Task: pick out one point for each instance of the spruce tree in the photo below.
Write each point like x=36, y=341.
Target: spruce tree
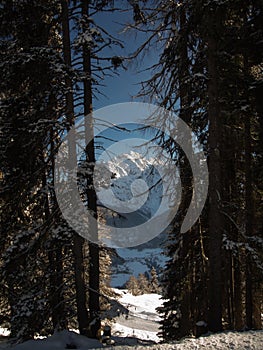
x=27, y=118
x=40, y=94
x=133, y=286
x=143, y=284
x=154, y=283
x=207, y=74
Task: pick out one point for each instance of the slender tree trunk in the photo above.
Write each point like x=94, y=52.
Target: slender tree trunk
x=249, y=205
x=59, y=313
x=186, y=178
x=78, y=241
x=94, y=269
x=232, y=279
x=55, y=249
x=53, y=295
x=238, y=294
x=253, y=276
x=249, y=222
x=228, y=301
x=214, y=220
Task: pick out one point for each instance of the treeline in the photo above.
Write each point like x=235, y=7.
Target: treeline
x=52, y=62
x=144, y=284
x=210, y=73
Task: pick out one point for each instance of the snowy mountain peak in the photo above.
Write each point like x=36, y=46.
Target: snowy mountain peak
x=129, y=183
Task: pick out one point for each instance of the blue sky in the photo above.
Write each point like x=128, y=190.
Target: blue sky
x=121, y=88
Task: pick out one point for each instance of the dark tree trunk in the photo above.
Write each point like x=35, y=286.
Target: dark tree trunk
x=252, y=170
x=238, y=307
x=78, y=241
x=186, y=178
x=94, y=254
x=249, y=221
x=55, y=257
x=214, y=220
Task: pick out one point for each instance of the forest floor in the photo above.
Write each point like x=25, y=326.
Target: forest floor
x=139, y=331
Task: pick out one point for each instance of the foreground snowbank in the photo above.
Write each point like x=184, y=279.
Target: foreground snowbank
x=58, y=341
x=252, y=340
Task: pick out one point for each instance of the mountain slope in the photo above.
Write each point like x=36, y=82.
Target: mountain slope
x=131, y=186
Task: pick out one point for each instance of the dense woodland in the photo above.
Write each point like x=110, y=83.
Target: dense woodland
x=208, y=70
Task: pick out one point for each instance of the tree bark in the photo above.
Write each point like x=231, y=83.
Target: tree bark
x=78, y=241
x=214, y=220
x=94, y=269
x=186, y=178
x=249, y=222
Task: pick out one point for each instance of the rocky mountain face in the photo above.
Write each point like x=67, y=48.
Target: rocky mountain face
x=130, y=192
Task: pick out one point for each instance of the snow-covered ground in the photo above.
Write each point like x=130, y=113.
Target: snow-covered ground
x=58, y=341
x=142, y=320
x=139, y=331
x=252, y=340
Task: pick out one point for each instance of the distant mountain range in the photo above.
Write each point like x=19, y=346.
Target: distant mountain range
x=136, y=181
